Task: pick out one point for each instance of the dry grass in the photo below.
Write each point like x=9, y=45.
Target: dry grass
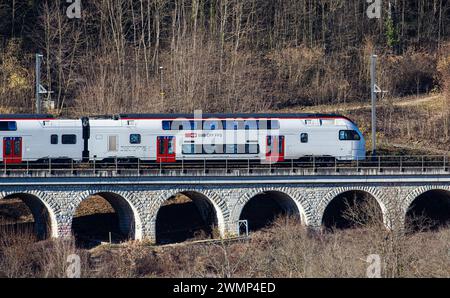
x=21, y=256
x=284, y=250
x=288, y=250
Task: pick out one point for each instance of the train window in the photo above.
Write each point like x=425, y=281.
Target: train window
x=281, y=145
x=54, y=139
x=167, y=125
x=349, y=135
x=235, y=125
x=188, y=149
x=162, y=149
x=236, y=149
x=177, y=125
x=182, y=125
x=8, y=125
x=252, y=149
x=212, y=125
x=196, y=125
x=269, y=124
x=135, y=139
x=171, y=146
x=229, y=148
x=8, y=148
x=274, y=124
x=240, y=125
x=69, y=139
x=198, y=149
x=219, y=125
x=17, y=147
x=219, y=149
x=251, y=125
x=211, y=149
x=304, y=138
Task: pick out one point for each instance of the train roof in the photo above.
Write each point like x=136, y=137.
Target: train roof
x=27, y=116
x=221, y=116
x=186, y=116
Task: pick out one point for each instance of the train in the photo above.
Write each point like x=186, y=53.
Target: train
x=171, y=138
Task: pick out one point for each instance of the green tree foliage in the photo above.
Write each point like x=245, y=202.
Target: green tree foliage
x=391, y=33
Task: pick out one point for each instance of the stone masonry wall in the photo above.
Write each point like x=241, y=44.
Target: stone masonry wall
x=139, y=204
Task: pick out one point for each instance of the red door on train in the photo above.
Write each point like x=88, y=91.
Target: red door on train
x=165, y=152
x=275, y=148
x=12, y=150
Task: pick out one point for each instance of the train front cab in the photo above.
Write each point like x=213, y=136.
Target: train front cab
x=354, y=139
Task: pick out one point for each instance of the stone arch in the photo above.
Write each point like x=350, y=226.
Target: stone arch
x=372, y=191
x=302, y=205
x=217, y=202
x=125, y=204
x=418, y=192
x=39, y=200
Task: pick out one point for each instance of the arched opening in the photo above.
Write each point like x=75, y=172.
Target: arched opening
x=352, y=209
x=429, y=211
x=186, y=216
x=103, y=217
x=25, y=213
x=261, y=210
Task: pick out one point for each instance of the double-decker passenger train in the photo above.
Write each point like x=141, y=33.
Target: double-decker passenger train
x=169, y=138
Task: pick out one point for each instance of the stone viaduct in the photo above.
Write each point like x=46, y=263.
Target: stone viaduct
x=53, y=201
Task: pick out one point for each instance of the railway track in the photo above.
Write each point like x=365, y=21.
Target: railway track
x=116, y=168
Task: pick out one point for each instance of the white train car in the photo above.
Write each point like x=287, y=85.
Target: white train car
x=172, y=138
x=264, y=137
x=115, y=138
x=30, y=138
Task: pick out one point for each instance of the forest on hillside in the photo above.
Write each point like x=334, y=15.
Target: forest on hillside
x=218, y=55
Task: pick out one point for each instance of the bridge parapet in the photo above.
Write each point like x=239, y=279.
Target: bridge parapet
x=40, y=173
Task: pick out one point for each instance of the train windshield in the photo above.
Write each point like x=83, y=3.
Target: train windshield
x=349, y=135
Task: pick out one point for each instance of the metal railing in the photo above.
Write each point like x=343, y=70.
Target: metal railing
x=372, y=165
